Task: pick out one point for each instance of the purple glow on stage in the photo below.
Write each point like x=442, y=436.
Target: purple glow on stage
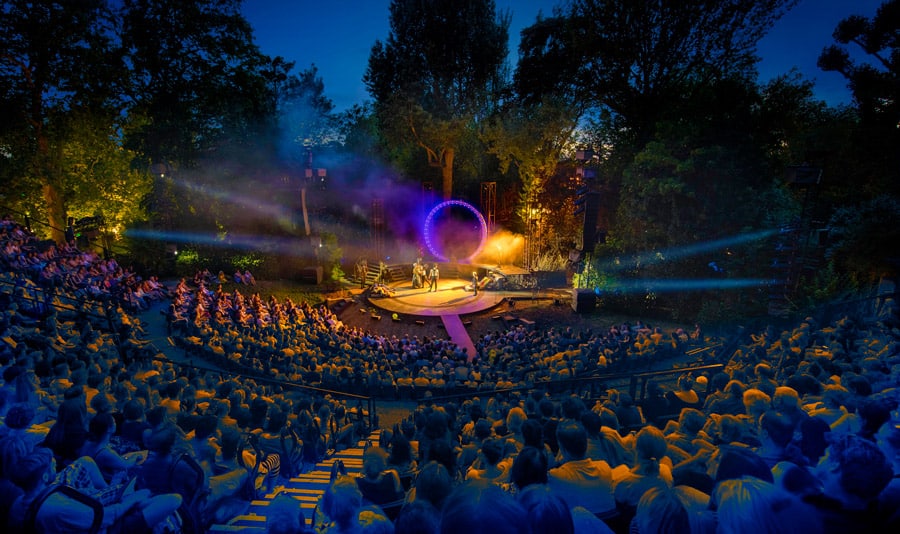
x=429, y=224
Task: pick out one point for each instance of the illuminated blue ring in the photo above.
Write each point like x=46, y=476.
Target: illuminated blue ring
x=428, y=229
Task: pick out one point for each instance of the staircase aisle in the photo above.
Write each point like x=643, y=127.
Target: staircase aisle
x=307, y=488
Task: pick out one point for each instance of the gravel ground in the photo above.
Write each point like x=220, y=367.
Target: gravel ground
x=552, y=310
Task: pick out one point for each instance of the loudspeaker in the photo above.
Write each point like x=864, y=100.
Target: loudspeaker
x=583, y=300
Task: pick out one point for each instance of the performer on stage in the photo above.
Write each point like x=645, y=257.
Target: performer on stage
x=475, y=282
x=362, y=270
x=418, y=274
x=433, y=276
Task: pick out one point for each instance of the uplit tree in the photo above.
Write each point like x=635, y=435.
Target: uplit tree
x=436, y=74
x=58, y=60
x=532, y=140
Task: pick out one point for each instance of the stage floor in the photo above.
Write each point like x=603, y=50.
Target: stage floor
x=450, y=299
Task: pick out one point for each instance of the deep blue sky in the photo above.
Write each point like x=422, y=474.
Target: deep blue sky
x=337, y=36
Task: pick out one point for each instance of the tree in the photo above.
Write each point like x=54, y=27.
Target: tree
x=876, y=92
x=196, y=77
x=303, y=113
x=58, y=59
x=435, y=74
x=631, y=61
x=532, y=140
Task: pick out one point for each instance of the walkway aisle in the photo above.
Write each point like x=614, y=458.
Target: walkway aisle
x=306, y=488
x=458, y=334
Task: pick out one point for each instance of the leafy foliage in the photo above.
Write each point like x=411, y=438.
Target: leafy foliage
x=876, y=90
x=435, y=74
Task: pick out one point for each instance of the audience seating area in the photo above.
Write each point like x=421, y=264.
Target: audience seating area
x=787, y=430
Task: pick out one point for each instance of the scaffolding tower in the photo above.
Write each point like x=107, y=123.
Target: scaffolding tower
x=378, y=224
x=489, y=205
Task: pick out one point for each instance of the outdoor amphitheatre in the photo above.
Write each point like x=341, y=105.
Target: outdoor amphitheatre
x=623, y=285
x=232, y=410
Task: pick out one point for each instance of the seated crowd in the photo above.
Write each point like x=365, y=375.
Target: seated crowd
x=800, y=430
x=310, y=345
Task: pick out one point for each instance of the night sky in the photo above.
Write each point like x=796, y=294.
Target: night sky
x=338, y=35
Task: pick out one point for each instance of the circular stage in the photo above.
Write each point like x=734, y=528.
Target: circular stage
x=451, y=298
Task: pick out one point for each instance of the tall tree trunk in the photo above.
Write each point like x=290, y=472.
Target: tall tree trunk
x=447, y=173
x=56, y=211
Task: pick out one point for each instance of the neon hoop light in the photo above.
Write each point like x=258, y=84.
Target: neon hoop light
x=429, y=242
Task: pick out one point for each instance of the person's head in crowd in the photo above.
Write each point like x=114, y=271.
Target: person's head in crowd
x=547, y=408
x=685, y=382
x=31, y=470
x=230, y=441
x=514, y=419
x=748, y=505
x=813, y=438
x=277, y=420
x=533, y=433
x=133, y=410
x=735, y=389
x=529, y=467
x=777, y=427
x=729, y=429
x=756, y=402
x=483, y=429
x=854, y=470
x=691, y=421
x=157, y=416
x=796, y=480
x=401, y=451
x=12, y=448
x=20, y=416
x=737, y=462
x=442, y=452
x=284, y=516
x=547, y=512
x=804, y=384
x=785, y=400
x=572, y=439
x=373, y=520
x=206, y=427
x=592, y=423
x=572, y=407
x=718, y=381
x=834, y=396
x=476, y=508
x=100, y=404
x=609, y=419
x=649, y=448
x=374, y=462
x=101, y=426
x=858, y=385
x=341, y=502
x=873, y=413
x=888, y=438
x=433, y=484
x=660, y=511
x=418, y=517
x=162, y=441
x=492, y=451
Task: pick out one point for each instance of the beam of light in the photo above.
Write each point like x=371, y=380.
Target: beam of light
x=284, y=245
x=666, y=286
x=683, y=251
x=272, y=211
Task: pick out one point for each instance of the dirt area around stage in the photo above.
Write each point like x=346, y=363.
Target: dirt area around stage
x=550, y=309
